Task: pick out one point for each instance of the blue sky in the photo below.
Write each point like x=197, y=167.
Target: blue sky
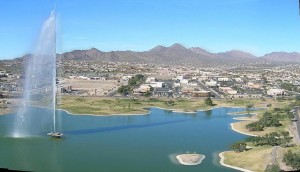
x=255, y=26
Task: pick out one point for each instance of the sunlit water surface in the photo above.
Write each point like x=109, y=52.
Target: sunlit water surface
x=134, y=143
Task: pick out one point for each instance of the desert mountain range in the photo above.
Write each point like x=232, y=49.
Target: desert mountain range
x=178, y=54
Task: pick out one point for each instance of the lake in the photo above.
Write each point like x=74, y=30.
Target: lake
x=132, y=143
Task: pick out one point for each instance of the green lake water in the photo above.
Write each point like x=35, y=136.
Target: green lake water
x=137, y=143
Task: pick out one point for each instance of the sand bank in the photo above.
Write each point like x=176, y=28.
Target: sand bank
x=190, y=159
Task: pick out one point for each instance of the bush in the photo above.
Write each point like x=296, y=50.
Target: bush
x=273, y=168
x=208, y=101
x=255, y=126
x=292, y=159
x=239, y=146
x=272, y=139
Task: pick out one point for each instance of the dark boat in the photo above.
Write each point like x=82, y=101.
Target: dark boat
x=55, y=134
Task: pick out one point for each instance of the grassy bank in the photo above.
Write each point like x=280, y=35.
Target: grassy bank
x=257, y=158
x=106, y=106
x=253, y=159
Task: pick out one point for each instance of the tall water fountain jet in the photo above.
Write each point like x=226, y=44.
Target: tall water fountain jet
x=39, y=85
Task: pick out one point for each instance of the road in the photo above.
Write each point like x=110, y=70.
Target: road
x=297, y=117
x=274, y=155
x=217, y=95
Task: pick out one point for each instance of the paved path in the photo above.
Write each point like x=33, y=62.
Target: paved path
x=297, y=124
x=274, y=155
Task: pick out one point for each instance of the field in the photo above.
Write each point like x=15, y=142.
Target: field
x=106, y=106
x=255, y=159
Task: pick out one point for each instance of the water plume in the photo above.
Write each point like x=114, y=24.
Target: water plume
x=39, y=85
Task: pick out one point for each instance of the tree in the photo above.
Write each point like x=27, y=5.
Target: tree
x=148, y=94
x=123, y=90
x=292, y=159
x=249, y=107
x=151, y=88
x=239, y=146
x=208, y=101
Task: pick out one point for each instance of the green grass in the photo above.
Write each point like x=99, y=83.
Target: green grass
x=104, y=106
x=254, y=159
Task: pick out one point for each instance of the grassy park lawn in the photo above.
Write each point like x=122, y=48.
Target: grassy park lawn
x=258, y=103
x=255, y=159
x=106, y=106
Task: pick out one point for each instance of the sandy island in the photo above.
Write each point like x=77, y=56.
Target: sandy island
x=190, y=159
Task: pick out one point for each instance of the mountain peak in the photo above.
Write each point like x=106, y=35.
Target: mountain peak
x=158, y=48
x=237, y=54
x=200, y=51
x=177, y=46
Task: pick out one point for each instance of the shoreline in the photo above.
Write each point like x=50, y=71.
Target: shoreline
x=147, y=113
x=243, y=119
x=190, y=159
x=221, y=155
x=222, y=159
x=130, y=114
x=248, y=134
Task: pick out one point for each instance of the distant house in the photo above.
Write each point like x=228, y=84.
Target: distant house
x=254, y=85
x=211, y=83
x=157, y=84
x=163, y=92
x=176, y=84
x=2, y=72
x=184, y=81
x=275, y=92
x=238, y=80
x=144, y=88
x=126, y=77
x=150, y=79
x=228, y=90
x=223, y=79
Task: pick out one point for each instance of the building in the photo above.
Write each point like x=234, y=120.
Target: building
x=211, y=83
x=150, y=79
x=275, y=92
x=144, y=88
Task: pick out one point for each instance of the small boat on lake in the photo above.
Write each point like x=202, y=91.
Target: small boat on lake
x=55, y=134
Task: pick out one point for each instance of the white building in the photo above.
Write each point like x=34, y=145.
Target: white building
x=126, y=77
x=2, y=72
x=238, y=79
x=275, y=92
x=223, y=79
x=211, y=83
x=177, y=84
x=184, y=81
x=150, y=79
x=156, y=84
